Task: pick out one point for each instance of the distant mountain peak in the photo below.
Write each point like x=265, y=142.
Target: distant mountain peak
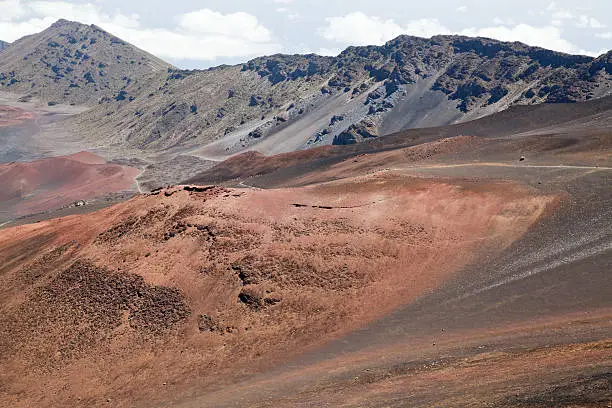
x=63, y=22
x=74, y=63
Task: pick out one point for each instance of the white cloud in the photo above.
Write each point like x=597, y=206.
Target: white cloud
x=11, y=9
x=562, y=15
x=290, y=15
x=359, y=29
x=79, y=12
x=589, y=22
x=185, y=45
x=235, y=25
x=375, y=30
x=549, y=37
x=462, y=9
x=546, y=37
x=500, y=21
x=199, y=35
x=595, y=53
x=329, y=52
x=11, y=31
x=606, y=35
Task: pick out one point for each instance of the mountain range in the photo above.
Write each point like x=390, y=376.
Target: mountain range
x=283, y=103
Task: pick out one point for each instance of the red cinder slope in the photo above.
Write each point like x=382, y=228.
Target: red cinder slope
x=55, y=182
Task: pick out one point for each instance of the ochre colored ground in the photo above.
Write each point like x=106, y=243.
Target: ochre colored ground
x=52, y=183
x=233, y=280
x=427, y=268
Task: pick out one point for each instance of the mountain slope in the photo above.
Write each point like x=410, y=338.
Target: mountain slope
x=3, y=45
x=74, y=63
x=202, y=296
x=576, y=128
x=283, y=103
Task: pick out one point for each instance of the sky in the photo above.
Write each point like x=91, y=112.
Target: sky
x=200, y=34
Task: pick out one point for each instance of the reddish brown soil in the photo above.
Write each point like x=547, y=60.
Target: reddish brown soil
x=55, y=182
x=424, y=269
x=498, y=366
x=192, y=289
x=11, y=116
x=254, y=163
x=87, y=158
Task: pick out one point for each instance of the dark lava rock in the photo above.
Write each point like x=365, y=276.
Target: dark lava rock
x=251, y=298
x=256, y=134
x=197, y=189
x=84, y=304
x=255, y=298
x=345, y=138
x=256, y=100
x=335, y=119
x=206, y=324
x=356, y=133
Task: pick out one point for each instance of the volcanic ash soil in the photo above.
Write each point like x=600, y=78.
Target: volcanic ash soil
x=170, y=287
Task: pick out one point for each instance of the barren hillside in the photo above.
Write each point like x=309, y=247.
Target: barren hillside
x=438, y=271
x=74, y=63
x=283, y=103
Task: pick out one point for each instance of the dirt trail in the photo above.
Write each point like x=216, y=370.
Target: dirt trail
x=529, y=166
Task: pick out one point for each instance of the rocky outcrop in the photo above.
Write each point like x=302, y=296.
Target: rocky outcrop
x=280, y=68
x=602, y=65
x=356, y=133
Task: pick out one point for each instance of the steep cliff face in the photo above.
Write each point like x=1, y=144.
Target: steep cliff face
x=74, y=63
x=289, y=102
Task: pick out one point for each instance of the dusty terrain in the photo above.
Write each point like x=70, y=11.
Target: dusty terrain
x=54, y=183
x=427, y=269
x=317, y=249
x=11, y=116
x=530, y=326
x=527, y=327
x=43, y=170
x=237, y=279
x=555, y=134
